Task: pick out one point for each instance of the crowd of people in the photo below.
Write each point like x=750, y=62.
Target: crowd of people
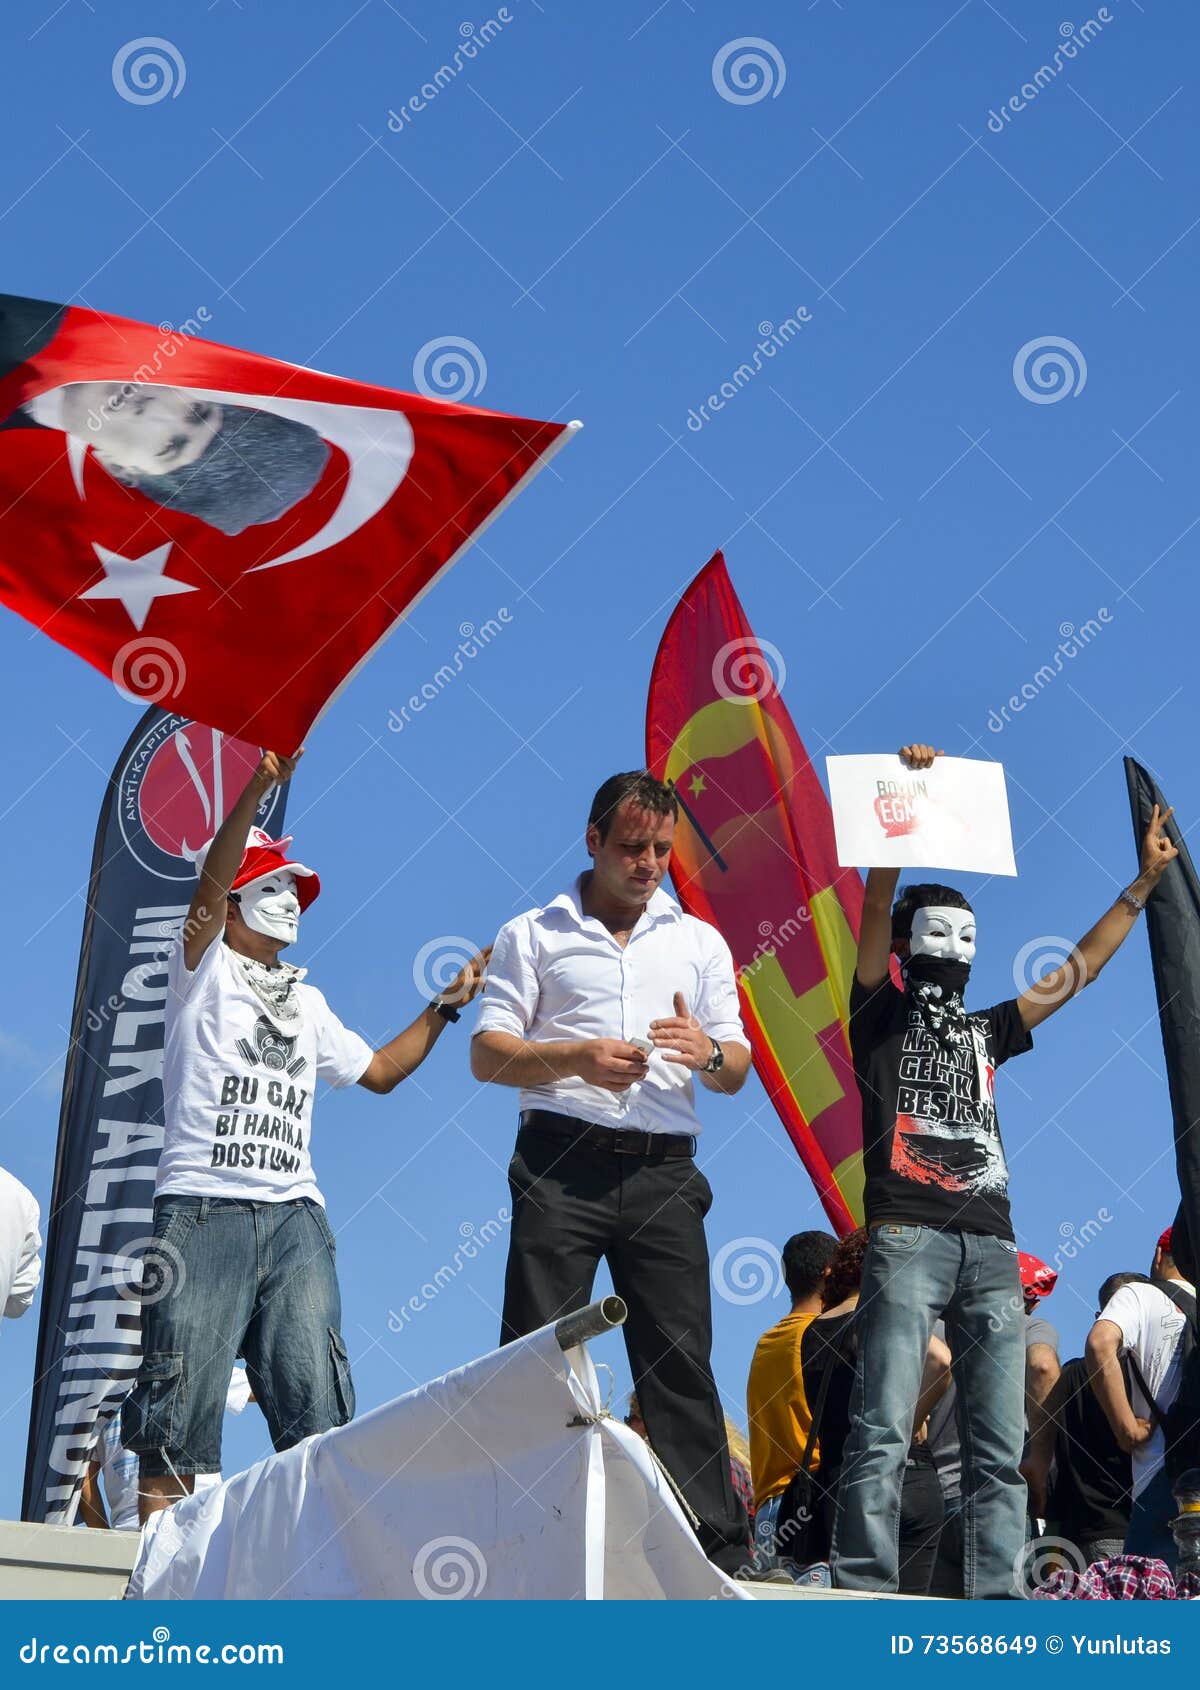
x=911, y=1427
x=1093, y=1449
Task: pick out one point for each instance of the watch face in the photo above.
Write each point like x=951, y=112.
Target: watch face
x=717, y=1059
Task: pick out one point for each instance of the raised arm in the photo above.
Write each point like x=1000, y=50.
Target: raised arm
x=875, y=934
x=404, y=1054
x=1110, y=932
x=206, y=917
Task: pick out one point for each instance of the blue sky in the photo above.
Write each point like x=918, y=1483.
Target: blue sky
x=914, y=533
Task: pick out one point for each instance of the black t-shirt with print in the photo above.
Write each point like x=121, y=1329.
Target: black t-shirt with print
x=931, y=1145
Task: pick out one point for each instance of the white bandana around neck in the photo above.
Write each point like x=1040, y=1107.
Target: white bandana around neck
x=275, y=988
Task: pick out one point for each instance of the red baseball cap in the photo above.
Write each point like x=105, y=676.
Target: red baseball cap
x=1164, y=1242
x=1037, y=1280
x=264, y=857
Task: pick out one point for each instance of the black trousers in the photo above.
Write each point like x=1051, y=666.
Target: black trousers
x=922, y=1510
x=573, y=1204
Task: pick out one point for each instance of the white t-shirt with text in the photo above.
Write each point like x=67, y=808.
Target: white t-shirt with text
x=1151, y=1329
x=238, y=1092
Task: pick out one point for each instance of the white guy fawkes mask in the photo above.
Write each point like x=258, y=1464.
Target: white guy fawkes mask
x=943, y=932
x=270, y=906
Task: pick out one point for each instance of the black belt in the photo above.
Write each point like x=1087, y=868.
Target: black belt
x=622, y=1141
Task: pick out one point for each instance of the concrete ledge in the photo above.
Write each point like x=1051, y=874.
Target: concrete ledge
x=56, y=1563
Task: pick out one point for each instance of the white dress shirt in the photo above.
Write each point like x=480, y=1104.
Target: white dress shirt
x=20, y=1241
x=557, y=974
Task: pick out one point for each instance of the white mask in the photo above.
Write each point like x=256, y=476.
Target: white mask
x=270, y=906
x=941, y=931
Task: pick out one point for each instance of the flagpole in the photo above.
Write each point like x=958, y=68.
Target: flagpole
x=700, y=833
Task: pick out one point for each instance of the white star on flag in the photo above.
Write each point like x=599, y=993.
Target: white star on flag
x=136, y=581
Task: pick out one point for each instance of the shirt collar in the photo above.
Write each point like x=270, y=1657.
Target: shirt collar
x=661, y=906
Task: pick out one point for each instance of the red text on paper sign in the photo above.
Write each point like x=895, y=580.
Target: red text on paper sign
x=895, y=805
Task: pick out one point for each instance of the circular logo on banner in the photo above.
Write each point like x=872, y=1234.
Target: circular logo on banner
x=176, y=788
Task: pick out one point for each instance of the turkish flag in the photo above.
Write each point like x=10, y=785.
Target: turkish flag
x=225, y=534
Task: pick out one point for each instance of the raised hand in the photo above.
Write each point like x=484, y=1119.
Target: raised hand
x=680, y=1038
x=1157, y=849
x=919, y=756
x=469, y=981
x=276, y=769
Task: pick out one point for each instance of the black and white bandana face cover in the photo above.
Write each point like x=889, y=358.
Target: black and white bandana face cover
x=946, y=976
x=275, y=988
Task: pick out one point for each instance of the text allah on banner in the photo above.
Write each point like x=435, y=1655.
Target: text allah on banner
x=172, y=787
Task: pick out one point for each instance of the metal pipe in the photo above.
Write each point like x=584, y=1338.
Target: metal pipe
x=589, y=1322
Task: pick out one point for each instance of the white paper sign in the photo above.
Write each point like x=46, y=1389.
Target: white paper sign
x=953, y=815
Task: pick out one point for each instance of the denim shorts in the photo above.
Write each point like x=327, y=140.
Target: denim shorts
x=228, y=1277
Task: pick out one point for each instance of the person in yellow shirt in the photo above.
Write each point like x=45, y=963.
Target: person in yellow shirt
x=776, y=1405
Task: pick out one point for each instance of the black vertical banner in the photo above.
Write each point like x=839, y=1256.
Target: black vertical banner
x=1173, y=928
x=173, y=784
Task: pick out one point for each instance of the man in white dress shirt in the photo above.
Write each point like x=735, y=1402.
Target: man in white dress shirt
x=600, y=1007
x=20, y=1241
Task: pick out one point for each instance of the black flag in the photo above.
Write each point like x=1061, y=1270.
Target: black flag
x=1173, y=928
x=173, y=785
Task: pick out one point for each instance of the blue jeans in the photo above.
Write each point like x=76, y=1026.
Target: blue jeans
x=226, y=1278
x=911, y=1276
x=1149, y=1531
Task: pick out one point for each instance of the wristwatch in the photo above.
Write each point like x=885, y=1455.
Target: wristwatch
x=716, y=1061
x=447, y=1011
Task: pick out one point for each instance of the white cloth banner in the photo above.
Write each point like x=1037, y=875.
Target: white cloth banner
x=502, y=1480
x=953, y=815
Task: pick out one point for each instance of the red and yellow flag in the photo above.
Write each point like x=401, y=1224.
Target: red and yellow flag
x=754, y=854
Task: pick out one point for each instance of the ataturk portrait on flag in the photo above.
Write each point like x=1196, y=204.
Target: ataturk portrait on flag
x=158, y=487
x=230, y=464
